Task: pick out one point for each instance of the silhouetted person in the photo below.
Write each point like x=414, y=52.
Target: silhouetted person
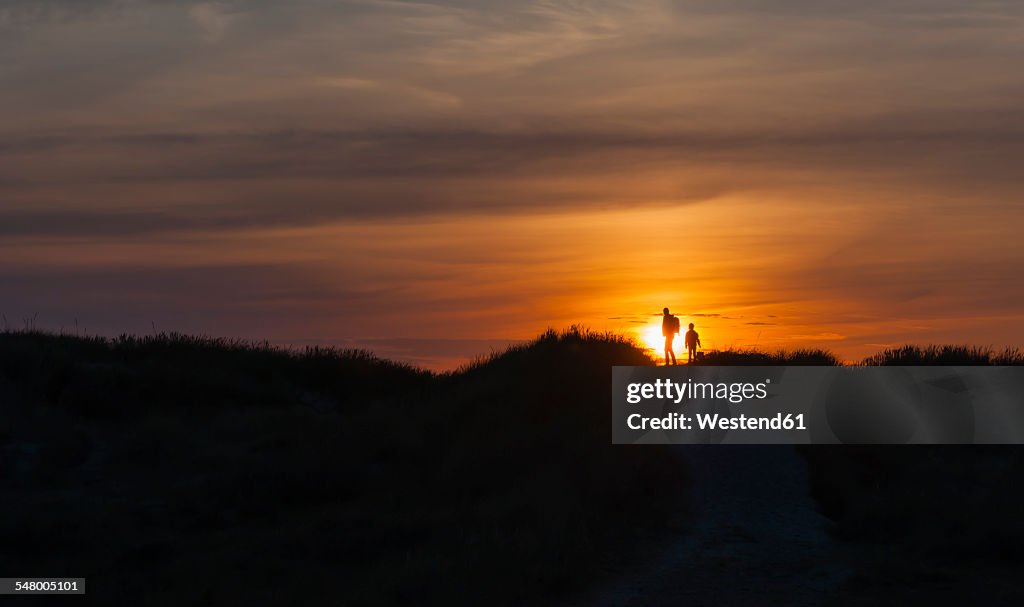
x=692, y=340
x=669, y=328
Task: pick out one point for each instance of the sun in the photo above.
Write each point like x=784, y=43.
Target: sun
x=650, y=336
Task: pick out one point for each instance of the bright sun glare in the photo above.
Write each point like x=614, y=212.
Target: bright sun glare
x=651, y=337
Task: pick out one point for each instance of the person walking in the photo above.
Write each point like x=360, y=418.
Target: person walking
x=692, y=340
x=669, y=329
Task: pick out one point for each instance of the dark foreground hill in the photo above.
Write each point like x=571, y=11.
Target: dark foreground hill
x=173, y=470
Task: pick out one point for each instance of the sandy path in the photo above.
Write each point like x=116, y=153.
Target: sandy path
x=757, y=539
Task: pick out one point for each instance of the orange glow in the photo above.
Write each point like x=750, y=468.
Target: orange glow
x=744, y=278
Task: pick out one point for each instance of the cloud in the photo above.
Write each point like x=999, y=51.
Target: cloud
x=534, y=33
x=211, y=19
x=285, y=298
x=18, y=14
x=176, y=181
x=429, y=96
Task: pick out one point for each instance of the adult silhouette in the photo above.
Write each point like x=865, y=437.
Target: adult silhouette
x=692, y=340
x=669, y=328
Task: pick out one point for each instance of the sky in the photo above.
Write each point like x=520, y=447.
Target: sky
x=435, y=180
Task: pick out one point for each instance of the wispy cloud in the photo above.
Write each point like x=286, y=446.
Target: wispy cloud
x=211, y=18
x=429, y=96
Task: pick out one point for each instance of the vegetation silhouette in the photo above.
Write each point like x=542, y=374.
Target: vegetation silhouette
x=946, y=355
x=253, y=471
x=752, y=357
x=223, y=471
x=130, y=375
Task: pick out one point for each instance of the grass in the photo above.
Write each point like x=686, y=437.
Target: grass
x=932, y=355
x=128, y=375
x=946, y=355
x=173, y=470
x=260, y=474
x=754, y=357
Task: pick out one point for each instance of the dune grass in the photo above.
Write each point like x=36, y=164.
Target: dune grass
x=101, y=377
x=755, y=357
x=572, y=344
x=254, y=471
x=908, y=355
x=177, y=470
x=946, y=355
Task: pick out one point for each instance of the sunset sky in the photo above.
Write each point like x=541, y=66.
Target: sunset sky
x=431, y=180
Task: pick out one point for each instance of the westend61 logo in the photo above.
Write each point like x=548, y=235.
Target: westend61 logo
x=678, y=392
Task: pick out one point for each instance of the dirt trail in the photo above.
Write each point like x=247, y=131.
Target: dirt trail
x=757, y=539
